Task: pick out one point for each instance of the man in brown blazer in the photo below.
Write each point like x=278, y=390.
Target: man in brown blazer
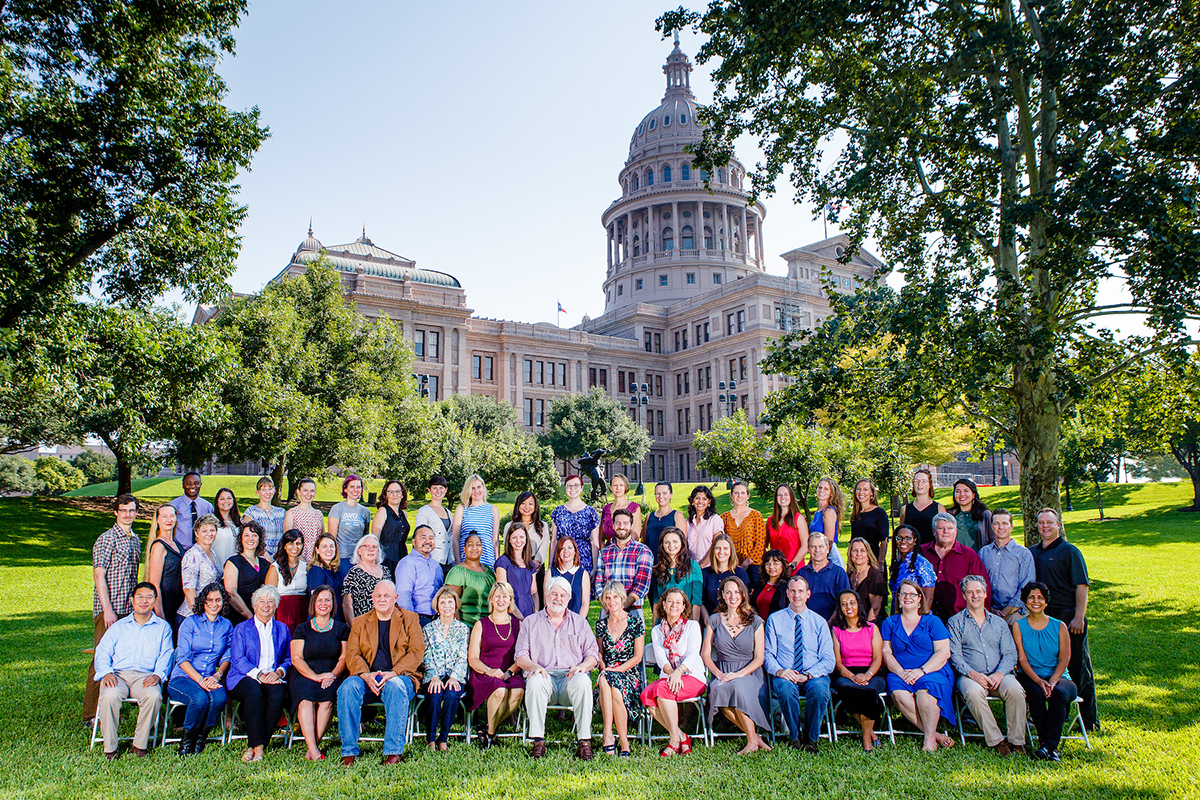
x=383, y=657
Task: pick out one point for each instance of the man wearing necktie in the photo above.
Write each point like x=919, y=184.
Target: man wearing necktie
x=799, y=657
x=189, y=507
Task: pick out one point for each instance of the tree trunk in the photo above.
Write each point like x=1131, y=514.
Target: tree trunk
x=277, y=474
x=1099, y=499
x=1038, y=420
x=124, y=476
x=1188, y=456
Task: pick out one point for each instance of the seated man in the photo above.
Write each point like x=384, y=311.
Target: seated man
x=826, y=581
x=952, y=561
x=419, y=576
x=383, y=659
x=983, y=654
x=557, y=650
x=1010, y=567
x=799, y=657
x=133, y=659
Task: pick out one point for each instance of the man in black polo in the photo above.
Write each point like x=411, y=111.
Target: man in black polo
x=1060, y=565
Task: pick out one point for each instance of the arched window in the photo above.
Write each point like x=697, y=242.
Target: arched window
x=637, y=245
x=683, y=119
x=667, y=120
x=668, y=239
x=667, y=173
x=685, y=172
x=720, y=176
x=652, y=124
x=625, y=187
x=708, y=238
x=686, y=241
x=703, y=175
x=635, y=182
x=649, y=177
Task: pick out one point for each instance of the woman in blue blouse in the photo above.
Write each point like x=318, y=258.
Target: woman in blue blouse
x=201, y=661
x=916, y=648
x=446, y=640
x=1043, y=653
x=476, y=515
x=910, y=565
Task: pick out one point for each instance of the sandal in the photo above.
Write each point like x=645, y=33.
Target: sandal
x=624, y=754
x=669, y=750
x=685, y=746
x=609, y=749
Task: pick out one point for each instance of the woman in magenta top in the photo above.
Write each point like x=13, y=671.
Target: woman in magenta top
x=787, y=528
x=703, y=523
x=858, y=650
x=619, y=485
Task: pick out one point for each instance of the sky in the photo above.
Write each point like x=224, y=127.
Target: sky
x=482, y=139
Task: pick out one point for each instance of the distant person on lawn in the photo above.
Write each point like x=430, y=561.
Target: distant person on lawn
x=189, y=507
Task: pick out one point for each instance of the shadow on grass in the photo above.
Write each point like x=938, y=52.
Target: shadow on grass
x=37, y=533
x=1147, y=527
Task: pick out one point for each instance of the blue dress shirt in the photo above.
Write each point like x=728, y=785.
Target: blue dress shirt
x=203, y=644
x=817, y=659
x=133, y=646
x=418, y=578
x=1010, y=568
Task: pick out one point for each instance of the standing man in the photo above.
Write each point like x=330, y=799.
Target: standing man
x=625, y=561
x=1060, y=566
x=115, y=558
x=952, y=561
x=983, y=654
x=419, y=576
x=799, y=658
x=1009, y=566
x=133, y=659
x=189, y=507
x=825, y=580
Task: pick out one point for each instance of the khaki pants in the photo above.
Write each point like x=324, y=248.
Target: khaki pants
x=91, y=690
x=541, y=691
x=1012, y=694
x=149, y=700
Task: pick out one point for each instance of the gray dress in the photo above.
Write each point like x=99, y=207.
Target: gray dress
x=731, y=654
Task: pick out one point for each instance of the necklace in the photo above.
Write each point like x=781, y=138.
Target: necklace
x=322, y=630
x=503, y=637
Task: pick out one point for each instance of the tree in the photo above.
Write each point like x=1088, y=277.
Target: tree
x=96, y=467
x=1089, y=451
x=17, y=474
x=57, y=476
x=119, y=157
x=1164, y=414
x=797, y=455
x=582, y=423
x=732, y=449
x=489, y=443
x=1007, y=159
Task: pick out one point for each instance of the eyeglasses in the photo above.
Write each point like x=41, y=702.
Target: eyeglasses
x=908, y=594
x=149, y=597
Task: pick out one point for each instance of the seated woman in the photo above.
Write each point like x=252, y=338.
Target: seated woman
x=770, y=593
x=245, y=571
x=446, y=640
x=867, y=579
x=733, y=652
x=910, y=565
x=676, y=639
x=318, y=666
x=289, y=574
x=566, y=565
x=516, y=568
x=674, y=567
x=916, y=649
x=201, y=661
x=495, y=679
x=328, y=569
x=256, y=678
x=621, y=637
x=366, y=571
x=1043, y=652
x=471, y=580
x=858, y=656
x=722, y=564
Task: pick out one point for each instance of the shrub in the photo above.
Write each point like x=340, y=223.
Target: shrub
x=58, y=476
x=17, y=474
x=96, y=467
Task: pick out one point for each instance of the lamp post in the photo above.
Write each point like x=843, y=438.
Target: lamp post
x=639, y=397
x=728, y=398
x=422, y=385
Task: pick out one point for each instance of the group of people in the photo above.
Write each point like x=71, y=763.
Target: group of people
x=300, y=618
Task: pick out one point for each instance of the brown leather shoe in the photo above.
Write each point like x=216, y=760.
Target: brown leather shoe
x=113, y=756
x=1017, y=749
x=137, y=751
x=348, y=761
x=583, y=750
x=393, y=759
x=539, y=749
x=1002, y=749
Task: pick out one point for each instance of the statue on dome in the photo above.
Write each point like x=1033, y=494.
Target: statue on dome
x=590, y=465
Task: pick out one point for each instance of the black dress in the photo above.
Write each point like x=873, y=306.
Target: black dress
x=321, y=652
x=873, y=526
x=248, y=581
x=393, y=538
x=170, y=583
x=921, y=521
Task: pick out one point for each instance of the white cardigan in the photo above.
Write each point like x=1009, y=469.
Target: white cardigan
x=691, y=647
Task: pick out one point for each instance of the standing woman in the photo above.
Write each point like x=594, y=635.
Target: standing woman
x=289, y=575
x=868, y=521
x=446, y=639
x=621, y=637
x=164, y=566
x=366, y=571
x=391, y=523
x=495, y=679
x=528, y=512
x=471, y=580
x=619, y=486
x=973, y=518
x=858, y=655
x=438, y=519
x=245, y=571
x=515, y=568
x=868, y=581
x=923, y=508
x=229, y=522
x=329, y=569
x=722, y=564
x=566, y=566
x=318, y=666
x=916, y=649
x=305, y=519
x=269, y=517
x=787, y=529
x=674, y=568
x=256, y=674
x=910, y=565
x=476, y=515
x=577, y=520
x=734, y=651
x=748, y=530
x=662, y=517
x=201, y=661
x=831, y=503
x=703, y=523
x=348, y=520
x=676, y=639
x=198, y=567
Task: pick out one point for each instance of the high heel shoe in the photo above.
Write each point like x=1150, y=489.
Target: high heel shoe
x=484, y=740
x=685, y=746
x=609, y=749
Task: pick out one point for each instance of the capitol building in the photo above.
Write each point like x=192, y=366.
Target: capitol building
x=689, y=305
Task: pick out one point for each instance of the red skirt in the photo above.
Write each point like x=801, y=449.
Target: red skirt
x=293, y=610
x=692, y=687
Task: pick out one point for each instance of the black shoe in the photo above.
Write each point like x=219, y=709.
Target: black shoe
x=200, y=741
x=810, y=747
x=795, y=744
x=484, y=739
x=1054, y=756
x=187, y=742
x=1041, y=754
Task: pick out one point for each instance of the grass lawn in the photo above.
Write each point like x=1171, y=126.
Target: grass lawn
x=1144, y=626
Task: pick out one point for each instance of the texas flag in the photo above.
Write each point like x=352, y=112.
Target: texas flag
x=561, y=310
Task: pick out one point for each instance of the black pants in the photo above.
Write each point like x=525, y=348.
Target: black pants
x=262, y=705
x=857, y=699
x=1049, y=715
x=1080, y=669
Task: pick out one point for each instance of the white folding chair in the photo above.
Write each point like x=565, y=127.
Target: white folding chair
x=702, y=729
x=414, y=719
x=778, y=721
x=886, y=718
x=233, y=718
x=97, y=737
x=1076, y=722
x=165, y=736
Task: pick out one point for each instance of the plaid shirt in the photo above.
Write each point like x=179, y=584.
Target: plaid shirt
x=119, y=554
x=629, y=566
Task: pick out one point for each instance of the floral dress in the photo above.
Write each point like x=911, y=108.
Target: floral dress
x=579, y=526
x=618, y=651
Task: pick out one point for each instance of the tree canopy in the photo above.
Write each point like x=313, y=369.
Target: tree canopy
x=582, y=423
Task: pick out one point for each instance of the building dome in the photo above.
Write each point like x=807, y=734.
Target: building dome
x=674, y=121
x=311, y=244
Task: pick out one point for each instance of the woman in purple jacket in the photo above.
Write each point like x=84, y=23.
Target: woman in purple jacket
x=256, y=677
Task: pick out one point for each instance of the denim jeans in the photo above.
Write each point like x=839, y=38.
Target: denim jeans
x=443, y=706
x=816, y=701
x=397, y=696
x=203, y=707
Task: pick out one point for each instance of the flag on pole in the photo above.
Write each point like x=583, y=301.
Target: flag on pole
x=561, y=310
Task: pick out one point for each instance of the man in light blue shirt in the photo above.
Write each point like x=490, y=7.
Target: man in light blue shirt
x=1009, y=568
x=189, y=507
x=799, y=657
x=419, y=576
x=133, y=659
